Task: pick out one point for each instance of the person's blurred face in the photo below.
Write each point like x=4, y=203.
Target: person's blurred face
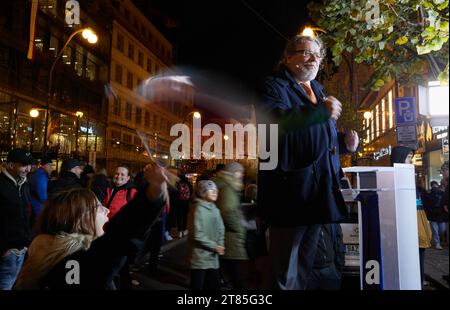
x=77, y=170
x=409, y=158
x=239, y=175
x=100, y=219
x=121, y=176
x=48, y=168
x=304, y=63
x=211, y=195
x=18, y=170
x=444, y=173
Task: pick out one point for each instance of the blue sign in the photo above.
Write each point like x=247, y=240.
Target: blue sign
x=405, y=110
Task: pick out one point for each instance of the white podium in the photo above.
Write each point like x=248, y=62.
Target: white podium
x=397, y=224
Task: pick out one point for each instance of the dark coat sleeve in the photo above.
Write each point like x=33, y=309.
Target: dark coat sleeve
x=275, y=107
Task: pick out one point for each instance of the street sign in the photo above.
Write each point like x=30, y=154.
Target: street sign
x=405, y=110
x=407, y=136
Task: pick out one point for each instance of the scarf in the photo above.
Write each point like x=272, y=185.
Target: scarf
x=44, y=253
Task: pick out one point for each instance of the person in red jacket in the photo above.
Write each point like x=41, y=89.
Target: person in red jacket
x=121, y=192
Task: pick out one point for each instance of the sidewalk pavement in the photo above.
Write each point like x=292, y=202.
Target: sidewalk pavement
x=436, y=266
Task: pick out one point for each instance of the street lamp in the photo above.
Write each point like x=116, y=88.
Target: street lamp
x=367, y=115
x=34, y=113
x=195, y=114
x=310, y=31
x=92, y=38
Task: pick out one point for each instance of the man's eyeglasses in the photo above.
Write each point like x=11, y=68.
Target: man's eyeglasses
x=307, y=53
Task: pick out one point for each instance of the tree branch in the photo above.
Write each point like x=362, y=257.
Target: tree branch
x=399, y=16
x=434, y=66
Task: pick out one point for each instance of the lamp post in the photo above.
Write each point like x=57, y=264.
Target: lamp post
x=33, y=113
x=196, y=116
x=92, y=38
x=78, y=115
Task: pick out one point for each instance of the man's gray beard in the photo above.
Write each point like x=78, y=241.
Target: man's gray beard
x=304, y=74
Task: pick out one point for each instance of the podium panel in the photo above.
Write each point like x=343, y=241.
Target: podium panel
x=388, y=227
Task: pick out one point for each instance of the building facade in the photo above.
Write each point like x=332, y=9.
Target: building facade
x=145, y=96
x=76, y=101
x=378, y=132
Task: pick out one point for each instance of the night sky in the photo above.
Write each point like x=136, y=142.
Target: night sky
x=227, y=36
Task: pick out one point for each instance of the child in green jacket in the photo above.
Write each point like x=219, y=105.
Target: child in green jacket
x=207, y=238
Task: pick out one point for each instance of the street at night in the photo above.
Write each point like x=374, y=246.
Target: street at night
x=213, y=147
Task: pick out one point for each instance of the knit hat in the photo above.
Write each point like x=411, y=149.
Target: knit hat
x=205, y=185
x=234, y=167
x=69, y=164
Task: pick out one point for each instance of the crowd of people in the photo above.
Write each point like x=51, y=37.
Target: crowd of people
x=48, y=221
x=47, y=224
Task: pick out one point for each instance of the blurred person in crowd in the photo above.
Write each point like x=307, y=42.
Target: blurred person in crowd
x=70, y=229
x=38, y=185
x=86, y=176
x=121, y=192
x=184, y=189
x=117, y=196
x=206, y=238
x=69, y=177
x=251, y=192
x=53, y=176
x=15, y=200
x=100, y=183
x=436, y=214
x=235, y=261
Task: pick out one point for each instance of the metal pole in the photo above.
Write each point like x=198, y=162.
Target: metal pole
x=50, y=82
x=76, y=136
x=32, y=134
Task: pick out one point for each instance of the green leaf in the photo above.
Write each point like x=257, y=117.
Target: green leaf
x=444, y=26
x=378, y=84
x=402, y=40
x=421, y=50
x=337, y=59
x=378, y=37
x=443, y=6
x=415, y=40
x=443, y=76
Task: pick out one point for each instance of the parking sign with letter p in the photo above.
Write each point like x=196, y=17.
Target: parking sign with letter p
x=405, y=110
